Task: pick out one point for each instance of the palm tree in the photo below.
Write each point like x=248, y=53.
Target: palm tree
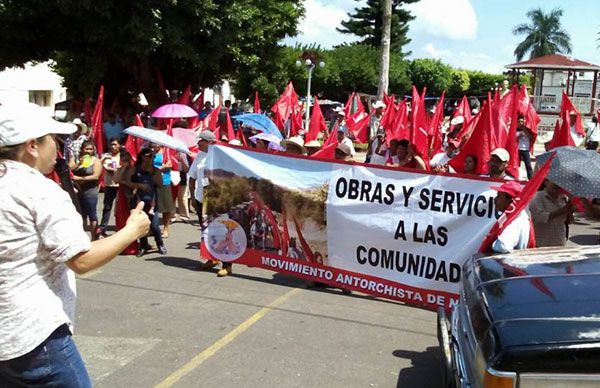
x=544, y=35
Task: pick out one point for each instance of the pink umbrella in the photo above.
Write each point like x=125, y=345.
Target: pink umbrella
x=174, y=111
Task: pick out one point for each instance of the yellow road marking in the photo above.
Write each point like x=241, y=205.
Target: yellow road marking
x=224, y=341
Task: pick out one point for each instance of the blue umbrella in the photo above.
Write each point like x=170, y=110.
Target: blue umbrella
x=157, y=137
x=259, y=121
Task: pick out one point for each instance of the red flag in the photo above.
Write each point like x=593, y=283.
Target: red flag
x=532, y=120
x=285, y=105
x=435, y=129
x=198, y=103
x=227, y=126
x=464, y=110
x=296, y=122
x=400, y=128
x=97, y=121
x=511, y=144
x=317, y=123
x=256, y=103
x=561, y=136
x=519, y=204
x=327, y=151
x=185, y=96
x=566, y=107
x=479, y=143
x=387, y=119
x=331, y=139
x=358, y=126
x=286, y=235
x=164, y=93
x=308, y=253
x=418, y=129
x=242, y=137
x=211, y=121
x=348, y=105
x=133, y=144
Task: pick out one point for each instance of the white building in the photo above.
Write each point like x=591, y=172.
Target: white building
x=33, y=83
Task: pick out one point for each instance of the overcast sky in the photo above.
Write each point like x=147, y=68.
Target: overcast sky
x=472, y=34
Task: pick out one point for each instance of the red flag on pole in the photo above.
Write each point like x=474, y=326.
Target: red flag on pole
x=566, y=107
x=561, y=136
x=285, y=105
x=435, y=129
x=358, y=126
x=479, y=143
x=185, y=96
x=317, y=123
x=511, y=143
x=348, y=105
x=519, y=204
x=418, y=129
x=256, y=103
x=227, y=126
x=97, y=121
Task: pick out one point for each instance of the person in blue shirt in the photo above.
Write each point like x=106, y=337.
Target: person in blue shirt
x=112, y=128
x=164, y=195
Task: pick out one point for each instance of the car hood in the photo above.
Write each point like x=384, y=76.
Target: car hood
x=541, y=302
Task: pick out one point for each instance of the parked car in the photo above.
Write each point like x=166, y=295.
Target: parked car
x=526, y=319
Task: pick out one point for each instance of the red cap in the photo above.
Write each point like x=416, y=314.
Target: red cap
x=511, y=188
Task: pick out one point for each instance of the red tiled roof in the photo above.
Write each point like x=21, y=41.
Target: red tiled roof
x=554, y=61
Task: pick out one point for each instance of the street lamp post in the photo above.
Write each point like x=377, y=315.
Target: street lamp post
x=309, y=67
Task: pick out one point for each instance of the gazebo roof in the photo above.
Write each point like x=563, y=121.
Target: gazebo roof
x=554, y=62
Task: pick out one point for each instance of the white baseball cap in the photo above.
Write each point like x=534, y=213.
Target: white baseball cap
x=22, y=122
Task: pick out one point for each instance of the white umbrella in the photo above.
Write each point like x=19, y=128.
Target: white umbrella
x=157, y=137
x=271, y=139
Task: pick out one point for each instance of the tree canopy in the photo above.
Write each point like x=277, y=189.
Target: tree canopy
x=367, y=23
x=142, y=45
x=544, y=35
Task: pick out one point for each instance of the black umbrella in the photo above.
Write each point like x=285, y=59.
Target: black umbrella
x=574, y=169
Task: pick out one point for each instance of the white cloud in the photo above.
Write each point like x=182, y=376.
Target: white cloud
x=320, y=22
x=433, y=52
x=455, y=20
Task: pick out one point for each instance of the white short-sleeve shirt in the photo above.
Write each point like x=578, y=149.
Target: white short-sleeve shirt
x=39, y=231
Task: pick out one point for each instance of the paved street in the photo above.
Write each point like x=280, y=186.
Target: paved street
x=156, y=320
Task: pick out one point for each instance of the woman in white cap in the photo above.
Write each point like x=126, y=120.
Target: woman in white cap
x=42, y=242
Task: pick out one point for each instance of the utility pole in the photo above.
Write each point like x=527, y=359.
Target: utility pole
x=384, y=60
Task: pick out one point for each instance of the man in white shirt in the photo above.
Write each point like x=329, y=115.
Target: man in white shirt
x=516, y=234
x=197, y=184
x=439, y=161
x=41, y=242
x=524, y=138
x=593, y=134
x=343, y=139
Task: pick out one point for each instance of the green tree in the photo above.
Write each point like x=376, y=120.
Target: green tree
x=544, y=35
x=460, y=83
x=481, y=83
x=432, y=73
x=367, y=23
x=128, y=45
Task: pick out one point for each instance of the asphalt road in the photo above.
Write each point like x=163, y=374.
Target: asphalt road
x=158, y=321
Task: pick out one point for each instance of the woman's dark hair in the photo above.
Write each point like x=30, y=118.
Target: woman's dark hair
x=143, y=152
x=88, y=143
x=404, y=143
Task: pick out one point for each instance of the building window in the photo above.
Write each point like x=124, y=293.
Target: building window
x=41, y=97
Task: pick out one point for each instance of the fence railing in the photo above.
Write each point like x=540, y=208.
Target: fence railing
x=551, y=104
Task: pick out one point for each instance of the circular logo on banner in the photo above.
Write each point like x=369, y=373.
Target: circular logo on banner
x=225, y=239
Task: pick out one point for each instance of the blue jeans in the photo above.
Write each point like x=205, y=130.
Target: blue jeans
x=525, y=157
x=54, y=363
